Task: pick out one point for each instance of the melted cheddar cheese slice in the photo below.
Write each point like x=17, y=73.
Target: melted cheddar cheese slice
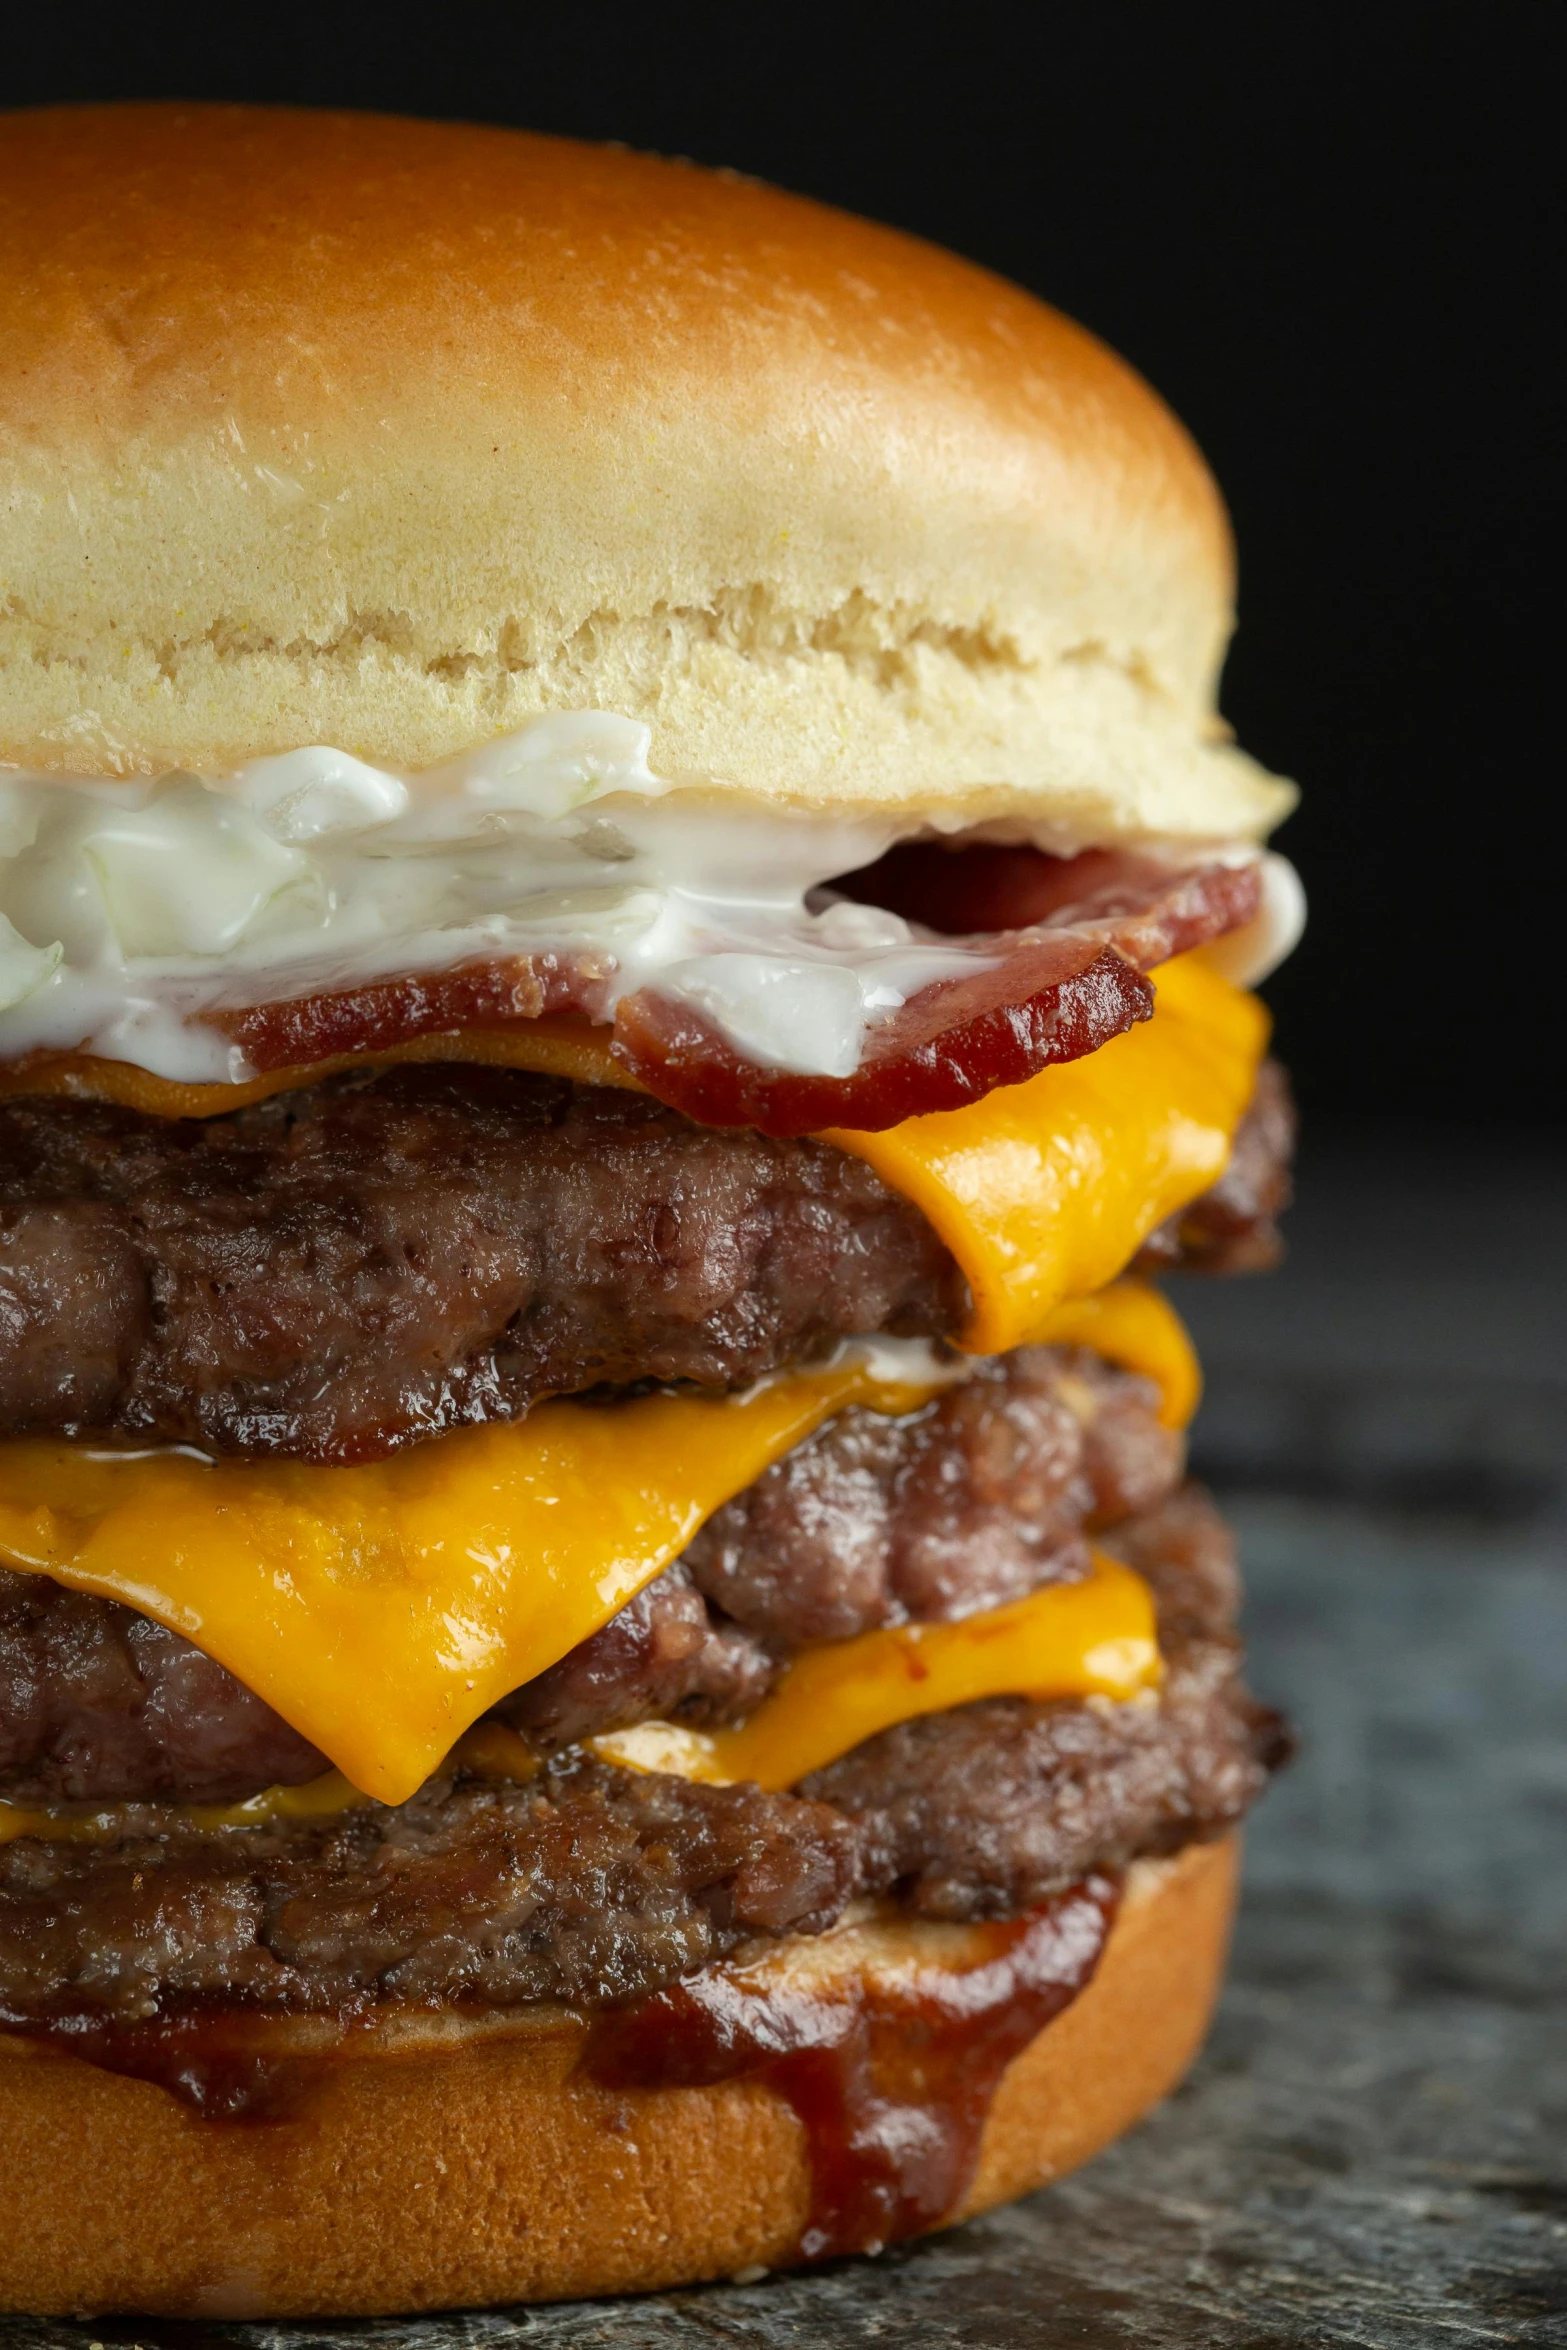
x=1137, y=1328
x=1045, y=1190
x=382, y=1608
x=1096, y=1638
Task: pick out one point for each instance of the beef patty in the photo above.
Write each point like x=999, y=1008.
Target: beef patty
x=338, y=1271
x=975, y=1499
x=588, y=1883
x=334, y=1272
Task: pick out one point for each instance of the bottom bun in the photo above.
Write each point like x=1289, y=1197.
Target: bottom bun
x=454, y=2166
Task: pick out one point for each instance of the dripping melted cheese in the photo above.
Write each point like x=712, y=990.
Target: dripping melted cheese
x=1096, y=1638
x=1045, y=1190
x=384, y=1607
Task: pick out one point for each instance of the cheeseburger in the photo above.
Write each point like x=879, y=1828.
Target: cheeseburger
x=625, y=934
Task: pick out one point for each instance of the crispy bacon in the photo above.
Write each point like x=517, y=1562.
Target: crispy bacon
x=1052, y=999
x=1062, y=944
x=1056, y=989
x=987, y=888
x=495, y=993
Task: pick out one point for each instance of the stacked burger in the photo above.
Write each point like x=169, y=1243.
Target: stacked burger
x=625, y=943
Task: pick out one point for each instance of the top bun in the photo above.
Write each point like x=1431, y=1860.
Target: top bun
x=392, y=435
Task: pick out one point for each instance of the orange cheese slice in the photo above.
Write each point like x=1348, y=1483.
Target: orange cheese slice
x=1096, y=1638
x=382, y=1608
x=1046, y=1190
x=1138, y=1328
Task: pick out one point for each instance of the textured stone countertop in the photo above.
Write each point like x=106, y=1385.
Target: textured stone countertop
x=1374, y=2148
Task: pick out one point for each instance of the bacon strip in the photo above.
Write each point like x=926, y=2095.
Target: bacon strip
x=498, y=992
x=1057, y=989
x=1053, y=999
x=1064, y=975
x=987, y=888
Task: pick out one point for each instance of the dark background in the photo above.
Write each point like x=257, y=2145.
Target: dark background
x=1321, y=231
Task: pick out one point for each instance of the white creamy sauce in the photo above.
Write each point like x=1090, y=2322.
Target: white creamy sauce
x=128, y=911
x=1246, y=956
x=904, y=1362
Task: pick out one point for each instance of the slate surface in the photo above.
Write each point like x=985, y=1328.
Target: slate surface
x=1373, y=2150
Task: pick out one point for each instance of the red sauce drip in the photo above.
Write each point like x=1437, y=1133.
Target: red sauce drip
x=217, y=2064
x=892, y=2083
